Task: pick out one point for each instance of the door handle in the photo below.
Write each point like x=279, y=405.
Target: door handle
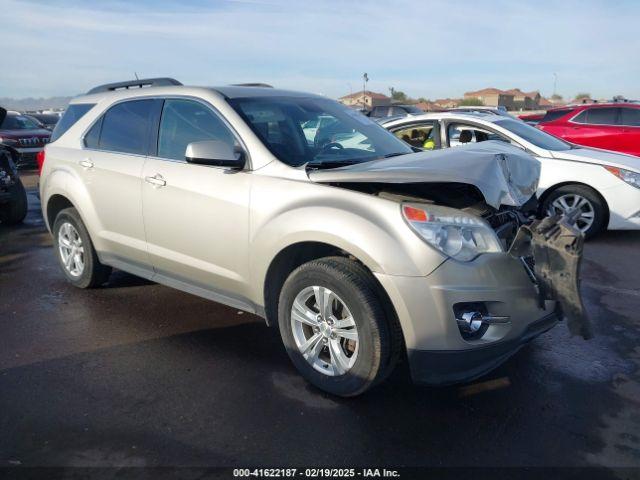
x=86, y=163
x=156, y=180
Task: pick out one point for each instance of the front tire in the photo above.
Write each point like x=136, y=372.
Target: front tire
x=334, y=328
x=74, y=249
x=594, y=212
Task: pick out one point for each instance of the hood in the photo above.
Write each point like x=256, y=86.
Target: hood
x=504, y=174
x=599, y=157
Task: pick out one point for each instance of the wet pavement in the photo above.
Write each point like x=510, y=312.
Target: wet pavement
x=138, y=374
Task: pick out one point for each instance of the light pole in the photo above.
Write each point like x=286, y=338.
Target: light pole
x=555, y=83
x=365, y=79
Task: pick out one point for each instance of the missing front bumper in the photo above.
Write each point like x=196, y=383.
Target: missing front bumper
x=556, y=248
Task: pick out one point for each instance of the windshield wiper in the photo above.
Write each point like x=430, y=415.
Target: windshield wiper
x=332, y=163
x=396, y=154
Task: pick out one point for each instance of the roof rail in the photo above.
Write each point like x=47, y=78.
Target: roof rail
x=144, y=82
x=263, y=85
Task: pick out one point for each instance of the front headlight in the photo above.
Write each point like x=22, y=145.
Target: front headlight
x=453, y=232
x=627, y=176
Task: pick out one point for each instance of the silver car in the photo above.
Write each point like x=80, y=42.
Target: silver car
x=359, y=250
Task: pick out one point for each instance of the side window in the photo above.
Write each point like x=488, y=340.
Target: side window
x=460, y=134
x=598, y=116
x=380, y=112
x=420, y=136
x=125, y=127
x=186, y=121
x=630, y=116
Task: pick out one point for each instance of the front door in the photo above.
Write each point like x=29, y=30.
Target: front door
x=196, y=217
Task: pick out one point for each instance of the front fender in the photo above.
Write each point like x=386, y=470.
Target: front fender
x=369, y=228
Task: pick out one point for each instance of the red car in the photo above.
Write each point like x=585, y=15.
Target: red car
x=610, y=126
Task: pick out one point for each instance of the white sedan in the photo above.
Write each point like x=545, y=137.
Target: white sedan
x=603, y=185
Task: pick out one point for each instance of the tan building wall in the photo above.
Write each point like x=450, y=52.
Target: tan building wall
x=369, y=100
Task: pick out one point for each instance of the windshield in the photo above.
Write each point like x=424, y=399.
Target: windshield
x=19, y=122
x=533, y=135
x=317, y=131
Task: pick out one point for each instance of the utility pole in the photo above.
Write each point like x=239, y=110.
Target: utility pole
x=555, y=83
x=365, y=79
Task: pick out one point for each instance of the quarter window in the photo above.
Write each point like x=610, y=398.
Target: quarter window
x=186, y=121
x=125, y=127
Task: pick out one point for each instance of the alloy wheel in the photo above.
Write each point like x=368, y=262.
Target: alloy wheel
x=324, y=331
x=71, y=249
x=568, y=203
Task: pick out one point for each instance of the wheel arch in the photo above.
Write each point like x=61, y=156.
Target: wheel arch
x=55, y=204
x=294, y=255
x=555, y=187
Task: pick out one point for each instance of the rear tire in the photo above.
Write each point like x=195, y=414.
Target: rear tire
x=595, y=212
x=74, y=250
x=16, y=210
x=356, y=346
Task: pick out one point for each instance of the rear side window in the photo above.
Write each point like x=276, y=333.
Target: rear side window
x=598, y=116
x=630, y=116
x=73, y=113
x=552, y=115
x=126, y=127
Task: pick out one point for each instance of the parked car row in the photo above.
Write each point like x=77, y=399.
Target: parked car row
x=360, y=247
x=603, y=186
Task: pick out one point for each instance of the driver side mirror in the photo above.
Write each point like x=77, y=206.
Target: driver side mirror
x=215, y=153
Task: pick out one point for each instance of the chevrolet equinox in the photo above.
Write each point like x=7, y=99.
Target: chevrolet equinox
x=294, y=207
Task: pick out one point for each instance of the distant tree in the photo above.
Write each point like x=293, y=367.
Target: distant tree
x=555, y=96
x=582, y=95
x=471, y=102
x=423, y=100
x=398, y=95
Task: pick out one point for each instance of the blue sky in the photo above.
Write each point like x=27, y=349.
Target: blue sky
x=430, y=48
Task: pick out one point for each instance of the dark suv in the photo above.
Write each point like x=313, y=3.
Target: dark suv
x=13, y=197
x=25, y=136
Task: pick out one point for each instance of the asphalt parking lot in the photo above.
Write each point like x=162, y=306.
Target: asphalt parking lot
x=137, y=374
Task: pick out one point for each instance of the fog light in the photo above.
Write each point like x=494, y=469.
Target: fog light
x=473, y=323
x=470, y=322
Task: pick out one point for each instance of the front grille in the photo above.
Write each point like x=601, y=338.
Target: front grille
x=33, y=141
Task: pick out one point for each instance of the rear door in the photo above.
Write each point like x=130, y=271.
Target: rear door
x=597, y=127
x=196, y=217
x=111, y=167
x=629, y=141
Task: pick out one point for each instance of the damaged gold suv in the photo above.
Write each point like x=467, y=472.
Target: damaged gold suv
x=305, y=212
